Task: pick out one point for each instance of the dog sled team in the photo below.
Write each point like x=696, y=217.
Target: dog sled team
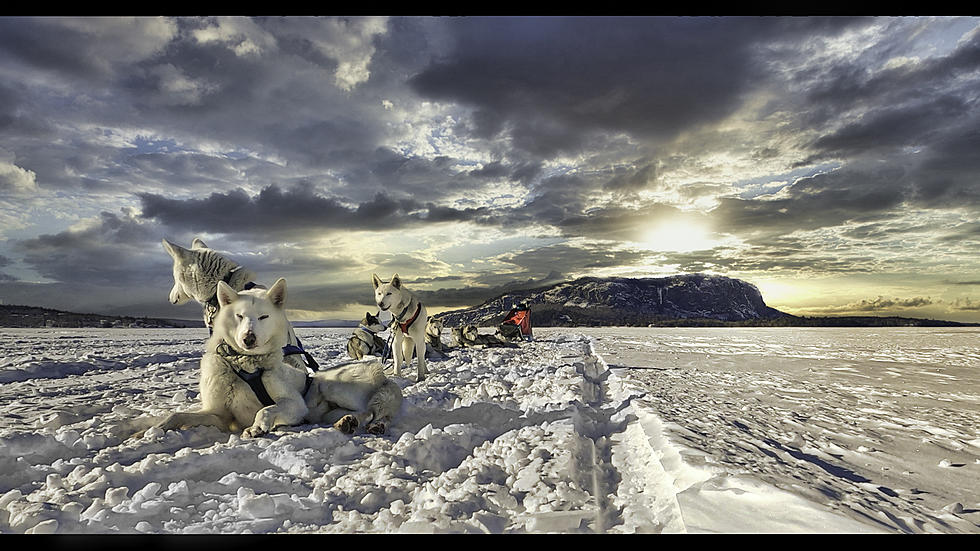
x=256, y=376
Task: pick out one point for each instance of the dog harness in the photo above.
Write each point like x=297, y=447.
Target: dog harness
x=376, y=343
x=253, y=378
x=406, y=324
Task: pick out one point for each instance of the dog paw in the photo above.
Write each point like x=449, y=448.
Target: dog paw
x=377, y=428
x=253, y=432
x=347, y=424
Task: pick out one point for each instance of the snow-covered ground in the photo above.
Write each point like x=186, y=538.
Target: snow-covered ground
x=612, y=430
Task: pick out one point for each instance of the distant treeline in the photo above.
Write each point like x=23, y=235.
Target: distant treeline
x=843, y=321
x=34, y=316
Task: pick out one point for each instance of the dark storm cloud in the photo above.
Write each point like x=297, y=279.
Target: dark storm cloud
x=4, y=261
x=112, y=251
x=919, y=116
x=419, y=178
x=947, y=176
x=845, y=86
x=634, y=180
x=559, y=204
x=824, y=200
x=67, y=46
x=103, y=78
x=551, y=81
x=888, y=128
x=275, y=212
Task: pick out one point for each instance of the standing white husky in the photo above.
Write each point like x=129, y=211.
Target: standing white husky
x=409, y=317
x=245, y=384
x=197, y=272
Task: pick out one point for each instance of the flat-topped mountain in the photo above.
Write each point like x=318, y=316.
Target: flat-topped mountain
x=627, y=301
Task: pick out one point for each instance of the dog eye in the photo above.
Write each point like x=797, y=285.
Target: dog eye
x=388, y=294
x=239, y=316
x=263, y=316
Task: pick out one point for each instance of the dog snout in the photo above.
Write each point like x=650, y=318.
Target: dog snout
x=249, y=339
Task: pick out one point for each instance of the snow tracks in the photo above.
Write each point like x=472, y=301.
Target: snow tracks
x=534, y=438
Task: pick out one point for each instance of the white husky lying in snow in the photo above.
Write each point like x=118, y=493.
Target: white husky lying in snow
x=245, y=384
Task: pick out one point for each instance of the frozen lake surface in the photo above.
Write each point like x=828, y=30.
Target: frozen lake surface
x=881, y=423
x=616, y=430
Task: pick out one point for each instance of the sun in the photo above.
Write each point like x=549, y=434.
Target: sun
x=678, y=235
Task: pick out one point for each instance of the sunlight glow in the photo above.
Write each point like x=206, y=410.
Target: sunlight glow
x=679, y=236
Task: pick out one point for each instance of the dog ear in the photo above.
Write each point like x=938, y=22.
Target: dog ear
x=396, y=281
x=277, y=293
x=377, y=280
x=198, y=244
x=175, y=250
x=226, y=295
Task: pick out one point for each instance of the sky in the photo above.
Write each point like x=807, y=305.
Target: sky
x=832, y=162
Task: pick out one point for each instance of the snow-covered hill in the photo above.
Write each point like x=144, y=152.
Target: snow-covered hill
x=621, y=301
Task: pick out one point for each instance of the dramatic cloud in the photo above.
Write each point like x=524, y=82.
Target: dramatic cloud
x=551, y=82
x=475, y=154
x=276, y=213
x=16, y=180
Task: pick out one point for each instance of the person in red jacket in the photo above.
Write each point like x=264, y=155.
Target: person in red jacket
x=517, y=323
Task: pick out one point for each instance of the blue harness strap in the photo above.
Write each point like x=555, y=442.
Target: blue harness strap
x=290, y=349
x=254, y=381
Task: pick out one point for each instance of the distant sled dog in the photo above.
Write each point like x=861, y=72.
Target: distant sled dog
x=409, y=318
x=246, y=385
x=364, y=341
x=197, y=272
x=470, y=336
x=433, y=339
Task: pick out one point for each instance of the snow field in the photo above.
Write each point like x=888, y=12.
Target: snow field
x=890, y=443
x=491, y=442
x=607, y=430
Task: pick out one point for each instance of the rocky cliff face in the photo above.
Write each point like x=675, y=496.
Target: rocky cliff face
x=626, y=301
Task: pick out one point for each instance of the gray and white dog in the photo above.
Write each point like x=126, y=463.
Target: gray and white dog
x=433, y=339
x=364, y=341
x=469, y=336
